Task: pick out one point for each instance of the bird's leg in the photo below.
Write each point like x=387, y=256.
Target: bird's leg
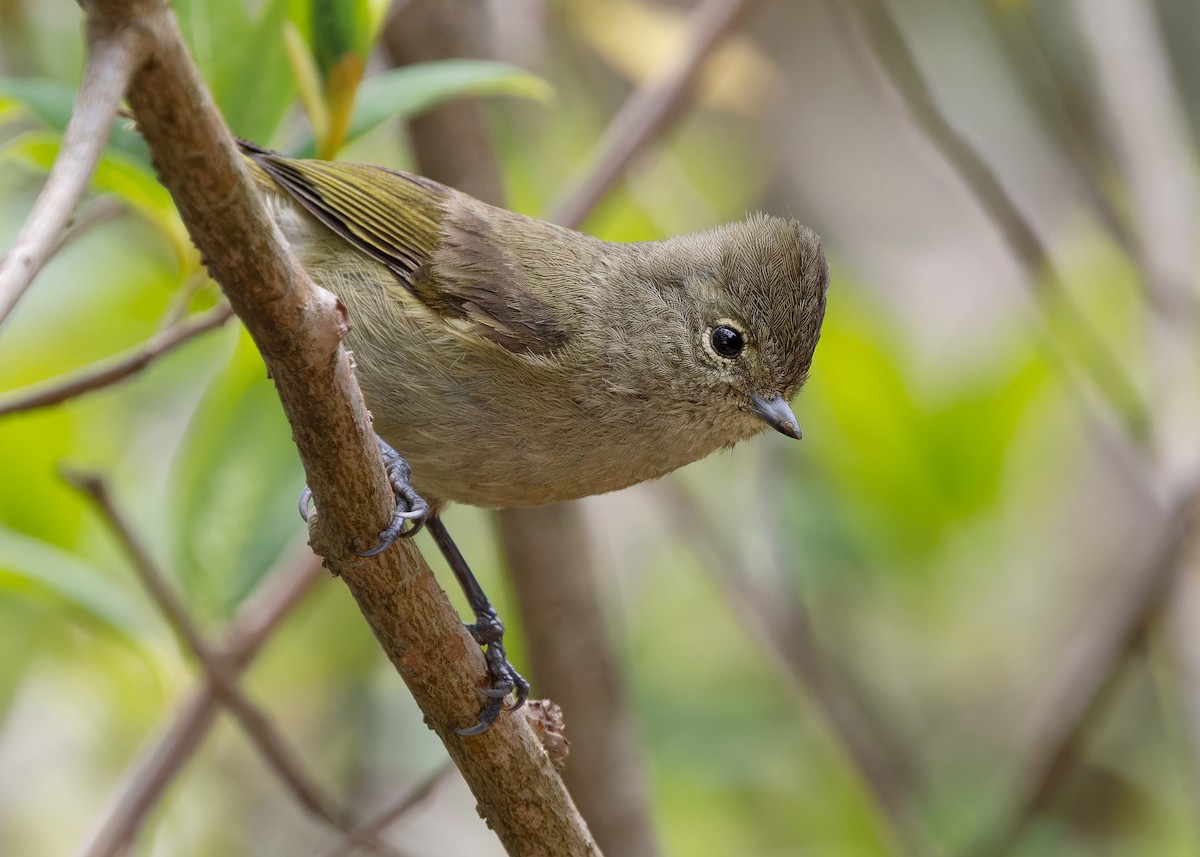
x=487, y=630
x=410, y=509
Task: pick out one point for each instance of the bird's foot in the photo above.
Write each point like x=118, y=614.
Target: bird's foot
x=410, y=511
x=488, y=631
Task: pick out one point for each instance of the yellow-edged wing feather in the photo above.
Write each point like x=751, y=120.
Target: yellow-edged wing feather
x=399, y=219
x=396, y=222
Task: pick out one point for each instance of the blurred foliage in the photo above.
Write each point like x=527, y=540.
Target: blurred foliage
x=944, y=521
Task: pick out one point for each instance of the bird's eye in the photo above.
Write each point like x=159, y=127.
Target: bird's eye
x=727, y=341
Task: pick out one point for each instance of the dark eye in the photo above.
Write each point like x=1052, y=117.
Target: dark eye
x=727, y=341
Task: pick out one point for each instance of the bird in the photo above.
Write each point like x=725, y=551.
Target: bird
x=508, y=361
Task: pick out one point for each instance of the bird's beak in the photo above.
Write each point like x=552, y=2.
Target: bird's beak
x=776, y=413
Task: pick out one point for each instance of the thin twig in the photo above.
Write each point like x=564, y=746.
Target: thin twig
x=1147, y=130
x=91, y=214
x=1027, y=54
x=1046, y=284
x=112, y=60
x=374, y=827
x=250, y=717
x=1129, y=608
x=160, y=761
x=647, y=113
x=1144, y=122
x=182, y=299
x=105, y=373
x=784, y=632
x=1147, y=127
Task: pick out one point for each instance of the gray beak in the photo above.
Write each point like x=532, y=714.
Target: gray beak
x=776, y=413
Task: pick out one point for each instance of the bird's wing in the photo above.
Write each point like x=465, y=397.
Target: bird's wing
x=400, y=220
x=397, y=221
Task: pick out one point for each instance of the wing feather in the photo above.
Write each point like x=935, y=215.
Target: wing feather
x=454, y=265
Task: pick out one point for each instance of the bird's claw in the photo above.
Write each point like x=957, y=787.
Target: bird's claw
x=488, y=631
x=411, y=510
x=305, y=502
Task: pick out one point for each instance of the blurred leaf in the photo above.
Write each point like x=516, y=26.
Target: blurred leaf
x=912, y=465
x=50, y=100
x=235, y=485
x=308, y=81
x=340, y=91
x=30, y=564
x=212, y=28
x=241, y=57
x=53, y=102
x=639, y=39
x=251, y=81
x=334, y=29
x=128, y=179
x=337, y=31
x=404, y=92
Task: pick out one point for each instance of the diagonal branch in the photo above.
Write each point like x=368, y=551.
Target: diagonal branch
x=895, y=56
x=147, y=778
x=1123, y=617
x=298, y=330
x=1026, y=53
x=250, y=717
x=91, y=214
x=1116, y=623
x=649, y=111
x=375, y=826
x=784, y=632
x=1147, y=132
x=110, y=65
x=108, y=372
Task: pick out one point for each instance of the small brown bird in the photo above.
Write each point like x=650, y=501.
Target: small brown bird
x=513, y=362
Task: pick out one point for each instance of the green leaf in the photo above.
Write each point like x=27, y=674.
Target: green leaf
x=213, y=29
x=407, y=91
x=913, y=465
x=234, y=486
x=241, y=57
x=340, y=27
x=132, y=181
x=334, y=28
x=50, y=100
x=252, y=81
x=32, y=565
x=53, y=103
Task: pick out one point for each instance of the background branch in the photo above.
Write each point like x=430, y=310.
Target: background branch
x=111, y=62
x=253, y=720
x=649, y=111
x=1111, y=631
x=781, y=627
x=164, y=757
x=1046, y=283
x=108, y=372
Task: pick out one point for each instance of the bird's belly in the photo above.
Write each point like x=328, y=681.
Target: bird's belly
x=475, y=443
x=521, y=466
x=485, y=427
